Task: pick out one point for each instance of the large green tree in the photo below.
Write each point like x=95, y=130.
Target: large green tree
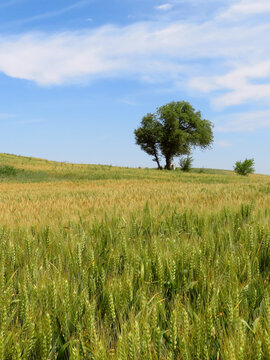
x=173, y=130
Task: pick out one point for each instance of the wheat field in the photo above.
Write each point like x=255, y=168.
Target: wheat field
x=99, y=262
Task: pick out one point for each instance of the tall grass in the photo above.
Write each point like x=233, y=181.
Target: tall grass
x=135, y=269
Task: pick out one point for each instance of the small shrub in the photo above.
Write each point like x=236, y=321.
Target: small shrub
x=185, y=163
x=6, y=170
x=244, y=167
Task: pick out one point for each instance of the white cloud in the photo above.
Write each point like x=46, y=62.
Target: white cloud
x=244, y=121
x=240, y=84
x=154, y=51
x=107, y=51
x=164, y=7
x=245, y=8
x=216, y=57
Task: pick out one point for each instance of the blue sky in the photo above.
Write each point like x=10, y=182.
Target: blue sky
x=76, y=77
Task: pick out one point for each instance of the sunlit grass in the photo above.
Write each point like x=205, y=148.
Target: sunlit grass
x=98, y=262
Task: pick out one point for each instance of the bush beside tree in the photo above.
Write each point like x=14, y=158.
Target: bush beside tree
x=244, y=167
x=186, y=163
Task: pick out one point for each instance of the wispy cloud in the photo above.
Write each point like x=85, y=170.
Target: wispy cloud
x=155, y=51
x=26, y=122
x=239, y=83
x=17, y=120
x=245, y=8
x=106, y=51
x=50, y=14
x=128, y=102
x=216, y=57
x=10, y=3
x=7, y=116
x=164, y=7
x=223, y=143
x=244, y=121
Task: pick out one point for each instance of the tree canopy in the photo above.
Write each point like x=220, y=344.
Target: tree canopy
x=173, y=130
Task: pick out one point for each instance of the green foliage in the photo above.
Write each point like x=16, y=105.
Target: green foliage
x=173, y=130
x=186, y=163
x=147, y=136
x=244, y=167
x=7, y=170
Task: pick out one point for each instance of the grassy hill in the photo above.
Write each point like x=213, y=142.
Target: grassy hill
x=15, y=168
x=100, y=262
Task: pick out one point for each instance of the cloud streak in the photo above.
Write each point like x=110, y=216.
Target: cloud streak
x=223, y=143
x=49, y=14
x=10, y=3
x=7, y=116
x=244, y=121
x=164, y=7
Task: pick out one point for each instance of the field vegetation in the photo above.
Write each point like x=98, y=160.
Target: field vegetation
x=99, y=262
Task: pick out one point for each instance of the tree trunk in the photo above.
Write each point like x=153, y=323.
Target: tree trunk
x=157, y=161
x=168, y=163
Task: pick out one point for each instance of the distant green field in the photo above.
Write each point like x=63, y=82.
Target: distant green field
x=100, y=262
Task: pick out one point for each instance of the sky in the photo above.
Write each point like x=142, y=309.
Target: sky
x=77, y=76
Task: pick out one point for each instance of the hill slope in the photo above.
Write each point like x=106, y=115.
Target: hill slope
x=29, y=169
